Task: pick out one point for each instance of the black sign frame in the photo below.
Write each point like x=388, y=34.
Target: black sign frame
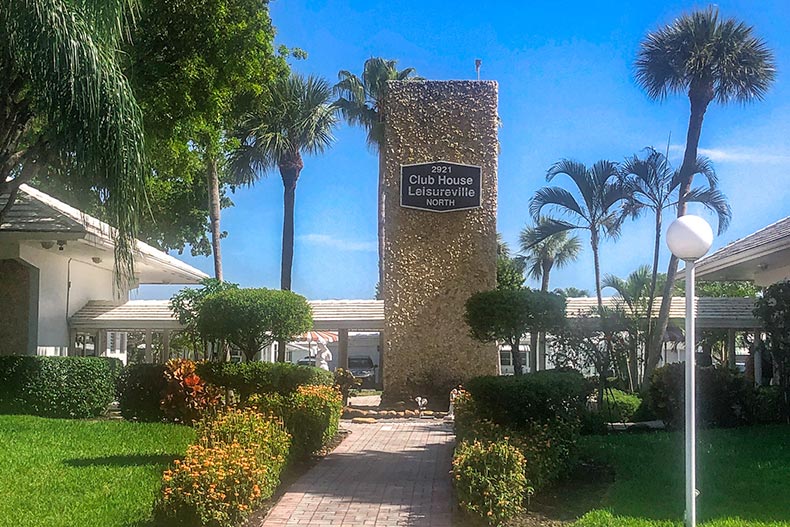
x=477, y=186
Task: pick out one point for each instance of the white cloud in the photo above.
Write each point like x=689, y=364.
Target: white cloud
x=736, y=155
x=330, y=241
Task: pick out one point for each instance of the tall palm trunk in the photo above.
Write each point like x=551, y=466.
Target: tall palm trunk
x=515, y=356
x=597, y=265
x=212, y=177
x=289, y=170
x=541, y=336
x=699, y=104
x=652, y=293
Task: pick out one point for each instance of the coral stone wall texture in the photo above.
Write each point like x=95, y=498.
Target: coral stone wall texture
x=433, y=262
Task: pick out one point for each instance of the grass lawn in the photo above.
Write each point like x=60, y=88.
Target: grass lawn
x=743, y=477
x=58, y=472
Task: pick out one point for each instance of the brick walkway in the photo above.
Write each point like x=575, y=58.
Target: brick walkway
x=392, y=473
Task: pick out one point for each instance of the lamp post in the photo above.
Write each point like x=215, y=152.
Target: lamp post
x=689, y=237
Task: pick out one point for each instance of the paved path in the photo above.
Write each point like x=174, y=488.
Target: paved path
x=392, y=473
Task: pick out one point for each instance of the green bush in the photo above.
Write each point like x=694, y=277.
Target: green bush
x=141, y=388
x=644, y=412
x=542, y=397
x=65, y=387
x=767, y=405
x=489, y=479
x=619, y=406
x=251, y=319
x=546, y=447
x=311, y=415
x=724, y=397
x=234, y=466
x=247, y=378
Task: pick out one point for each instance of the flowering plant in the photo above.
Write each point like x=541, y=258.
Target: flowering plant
x=186, y=396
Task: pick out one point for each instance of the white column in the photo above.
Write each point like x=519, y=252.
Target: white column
x=731, y=348
x=165, y=345
x=691, y=439
x=342, y=348
x=149, y=352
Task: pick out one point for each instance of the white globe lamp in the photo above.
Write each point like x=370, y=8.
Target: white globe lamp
x=689, y=238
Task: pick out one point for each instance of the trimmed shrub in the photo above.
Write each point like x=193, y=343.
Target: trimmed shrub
x=186, y=397
x=465, y=416
x=311, y=415
x=65, y=387
x=724, y=397
x=767, y=406
x=546, y=447
x=644, y=412
x=141, y=388
x=489, y=479
x=233, y=468
x=251, y=319
x=521, y=401
x=619, y=406
x=248, y=378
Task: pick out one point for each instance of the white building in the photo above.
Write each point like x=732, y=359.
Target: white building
x=54, y=259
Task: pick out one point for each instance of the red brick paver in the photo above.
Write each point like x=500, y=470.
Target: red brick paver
x=392, y=473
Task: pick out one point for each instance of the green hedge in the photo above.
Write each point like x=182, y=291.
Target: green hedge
x=311, y=415
x=65, y=387
x=540, y=414
x=724, y=397
x=247, y=378
x=619, y=406
x=141, y=388
x=521, y=401
x=489, y=480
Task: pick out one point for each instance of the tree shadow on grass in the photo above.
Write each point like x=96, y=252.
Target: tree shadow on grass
x=133, y=460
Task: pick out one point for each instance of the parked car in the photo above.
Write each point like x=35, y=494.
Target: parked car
x=307, y=361
x=364, y=369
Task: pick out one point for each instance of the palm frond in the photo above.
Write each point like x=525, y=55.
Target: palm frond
x=548, y=228
x=701, y=51
x=715, y=201
x=299, y=118
x=556, y=198
x=67, y=56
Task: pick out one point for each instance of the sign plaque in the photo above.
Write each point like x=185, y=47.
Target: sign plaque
x=440, y=186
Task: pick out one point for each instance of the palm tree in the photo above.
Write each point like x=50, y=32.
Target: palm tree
x=360, y=103
x=540, y=257
x=633, y=295
x=298, y=118
x=509, y=269
x=708, y=59
x=65, y=102
x=652, y=186
x=600, y=191
x=572, y=292
x=543, y=254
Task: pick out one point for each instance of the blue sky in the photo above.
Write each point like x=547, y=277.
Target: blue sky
x=566, y=89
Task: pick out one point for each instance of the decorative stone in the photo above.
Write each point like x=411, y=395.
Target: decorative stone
x=364, y=420
x=433, y=262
